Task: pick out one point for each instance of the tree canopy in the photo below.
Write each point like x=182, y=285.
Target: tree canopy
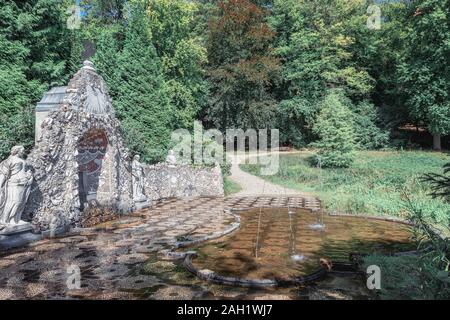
x=234, y=64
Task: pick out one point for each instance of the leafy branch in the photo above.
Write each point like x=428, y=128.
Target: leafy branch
x=440, y=183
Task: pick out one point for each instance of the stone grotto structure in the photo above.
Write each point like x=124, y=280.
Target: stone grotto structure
x=79, y=157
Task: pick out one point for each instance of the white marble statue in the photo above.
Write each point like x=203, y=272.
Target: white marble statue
x=171, y=160
x=15, y=183
x=137, y=172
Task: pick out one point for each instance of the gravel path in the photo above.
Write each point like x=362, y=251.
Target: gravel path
x=254, y=186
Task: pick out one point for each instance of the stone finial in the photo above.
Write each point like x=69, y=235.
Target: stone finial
x=88, y=65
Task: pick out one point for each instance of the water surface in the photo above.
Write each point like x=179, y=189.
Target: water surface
x=282, y=243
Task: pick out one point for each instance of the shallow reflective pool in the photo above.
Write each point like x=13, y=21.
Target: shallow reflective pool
x=282, y=243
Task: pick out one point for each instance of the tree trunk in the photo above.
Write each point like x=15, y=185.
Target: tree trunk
x=437, y=142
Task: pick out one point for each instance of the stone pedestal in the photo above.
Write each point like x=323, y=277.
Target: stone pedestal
x=13, y=236
x=12, y=229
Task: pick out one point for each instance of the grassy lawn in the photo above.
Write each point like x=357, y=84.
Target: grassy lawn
x=376, y=183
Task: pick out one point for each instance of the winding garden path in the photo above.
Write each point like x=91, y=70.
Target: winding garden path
x=255, y=186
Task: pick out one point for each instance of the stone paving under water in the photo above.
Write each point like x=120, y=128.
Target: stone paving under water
x=119, y=259
x=284, y=244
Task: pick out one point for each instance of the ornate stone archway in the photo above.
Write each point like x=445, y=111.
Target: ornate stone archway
x=79, y=156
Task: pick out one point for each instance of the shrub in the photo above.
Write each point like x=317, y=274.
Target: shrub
x=440, y=183
x=230, y=187
x=334, y=126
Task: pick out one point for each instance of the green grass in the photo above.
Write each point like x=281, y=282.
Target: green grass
x=230, y=187
x=376, y=183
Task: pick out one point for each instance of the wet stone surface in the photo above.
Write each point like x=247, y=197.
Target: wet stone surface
x=120, y=260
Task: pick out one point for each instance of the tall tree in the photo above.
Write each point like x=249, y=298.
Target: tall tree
x=101, y=12
x=379, y=52
x=335, y=129
x=183, y=55
x=425, y=70
x=142, y=99
x=106, y=58
x=314, y=41
x=34, y=51
x=40, y=25
x=241, y=66
x=16, y=96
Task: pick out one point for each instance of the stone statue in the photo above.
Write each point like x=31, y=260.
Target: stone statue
x=15, y=183
x=137, y=172
x=171, y=159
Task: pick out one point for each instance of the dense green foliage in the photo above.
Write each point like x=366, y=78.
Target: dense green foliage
x=408, y=277
x=375, y=184
x=35, y=48
x=183, y=55
x=424, y=74
x=368, y=134
x=342, y=127
x=153, y=65
x=230, y=187
x=142, y=99
x=234, y=63
x=16, y=95
x=315, y=42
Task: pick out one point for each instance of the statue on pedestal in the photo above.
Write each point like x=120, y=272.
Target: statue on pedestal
x=137, y=172
x=15, y=184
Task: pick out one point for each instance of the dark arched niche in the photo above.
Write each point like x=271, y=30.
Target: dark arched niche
x=92, y=149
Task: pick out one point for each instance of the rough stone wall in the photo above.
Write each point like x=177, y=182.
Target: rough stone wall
x=54, y=200
x=182, y=181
